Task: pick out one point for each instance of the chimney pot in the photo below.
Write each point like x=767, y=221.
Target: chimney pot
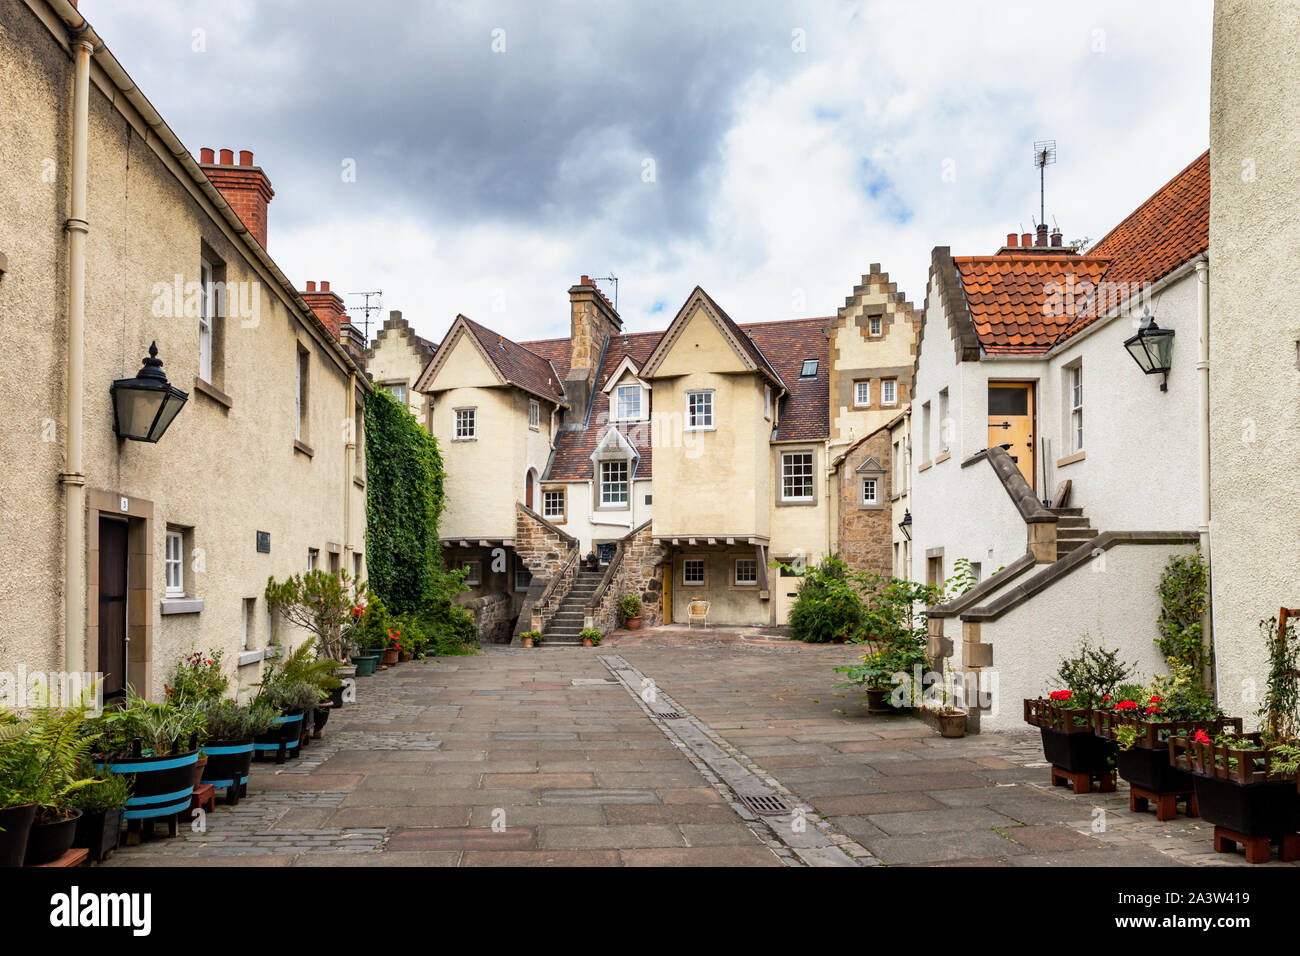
x=1041, y=239
x=1011, y=239
x=245, y=157
x=324, y=286
x=206, y=155
x=311, y=286
x=227, y=157
x=586, y=280
x=1056, y=237
x=1026, y=239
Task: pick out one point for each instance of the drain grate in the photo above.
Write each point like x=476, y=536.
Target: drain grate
x=767, y=804
x=668, y=714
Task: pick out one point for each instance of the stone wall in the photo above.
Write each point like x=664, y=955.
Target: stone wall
x=866, y=531
x=492, y=614
x=542, y=546
x=640, y=571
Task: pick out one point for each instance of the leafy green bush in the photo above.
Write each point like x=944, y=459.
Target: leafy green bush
x=43, y=759
x=110, y=791
x=591, y=634
x=889, y=667
x=1092, y=674
x=198, y=678
x=1184, y=599
x=320, y=602
x=161, y=728
x=828, y=607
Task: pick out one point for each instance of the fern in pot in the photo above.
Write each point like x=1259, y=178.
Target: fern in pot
x=103, y=810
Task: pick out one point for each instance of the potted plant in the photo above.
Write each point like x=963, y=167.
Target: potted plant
x=940, y=704
x=305, y=666
x=157, y=745
x=291, y=700
x=392, y=648
x=1064, y=718
x=591, y=636
x=887, y=676
x=1246, y=783
x=20, y=781
x=103, y=808
x=629, y=606
x=230, y=730
x=531, y=638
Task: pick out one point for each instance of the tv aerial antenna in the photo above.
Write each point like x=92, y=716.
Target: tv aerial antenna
x=1044, y=156
x=609, y=278
x=366, y=308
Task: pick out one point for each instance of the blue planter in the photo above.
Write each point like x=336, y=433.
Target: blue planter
x=282, y=739
x=163, y=785
x=228, y=765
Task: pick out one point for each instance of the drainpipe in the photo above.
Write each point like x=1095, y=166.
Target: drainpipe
x=1203, y=423
x=73, y=477
x=349, y=455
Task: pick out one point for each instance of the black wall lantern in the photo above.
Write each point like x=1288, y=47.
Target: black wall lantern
x=905, y=525
x=144, y=406
x=1151, y=348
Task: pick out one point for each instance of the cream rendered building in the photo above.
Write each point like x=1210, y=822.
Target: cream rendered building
x=112, y=237
x=1254, y=348
x=395, y=360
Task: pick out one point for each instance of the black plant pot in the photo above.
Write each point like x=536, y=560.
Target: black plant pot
x=49, y=841
x=163, y=785
x=15, y=825
x=1151, y=769
x=336, y=697
x=1080, y=752
x=281, y=740
x=99, y=831
x=1252, y=809
x=319, y=717
x=228, y=766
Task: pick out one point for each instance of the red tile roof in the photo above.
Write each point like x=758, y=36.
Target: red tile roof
x=805, y=411
x=517, y=364
x=1010, y=297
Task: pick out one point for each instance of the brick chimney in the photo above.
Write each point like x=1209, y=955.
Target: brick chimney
x=592, y=320
x=245, y=186
x=1041, y=239
x=328, y=307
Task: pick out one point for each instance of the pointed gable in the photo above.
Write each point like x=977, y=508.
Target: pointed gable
x=510, y=362
x=700, y=308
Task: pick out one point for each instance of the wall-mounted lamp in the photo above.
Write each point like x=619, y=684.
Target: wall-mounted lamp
x=144, y=406
x=1151, y=348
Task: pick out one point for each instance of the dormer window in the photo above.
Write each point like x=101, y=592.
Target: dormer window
x=534, y=414
x=809, y=369
x=627, y=403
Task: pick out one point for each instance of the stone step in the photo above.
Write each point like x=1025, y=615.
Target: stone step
x=1067, y=512
x=1076, y=534
x=1071, y=521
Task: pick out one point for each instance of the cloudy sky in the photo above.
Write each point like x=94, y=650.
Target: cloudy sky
x=767, y=151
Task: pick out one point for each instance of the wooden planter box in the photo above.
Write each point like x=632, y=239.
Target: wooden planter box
x=1237, y=789
x=1149, y=763
x=1068, y=738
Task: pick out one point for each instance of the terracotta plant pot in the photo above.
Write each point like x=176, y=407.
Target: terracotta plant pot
x=528, y=642
x=49, y=841
x=633, y=623
x=586, y=642
x=199, y=766
x=952, y=724
x=403, y=657
x=390, y=656
x=15, y=825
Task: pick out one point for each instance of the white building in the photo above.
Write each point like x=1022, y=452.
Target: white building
x=1044, y=456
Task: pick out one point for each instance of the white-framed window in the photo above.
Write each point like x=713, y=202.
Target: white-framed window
x=926, y=447
x=534, y=413
x=627, y=403
x=870, y=491
x=466, y=424
x=313, y=559
x=1076, y=408
x=613, y=483
x=246, y=631
x=809, y=369
x=767, y=402
x=889, y=391
x=862, y=394
x=693, y=573
x=174, y=562
x=874, y=324
x=945, y=422
x=746, y=572
x=300, y=393
x=699, y=410
x=474, y=575
x=553, y=505
x=797, y=476
x=205, y=320
x=523, y=577
x=397, y=390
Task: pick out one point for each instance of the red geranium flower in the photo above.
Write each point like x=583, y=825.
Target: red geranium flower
x=1060, y=695
x=358, y=610
x=1153, y=709
x=1106, y=698
x=1155, y=699
x=1126, y=705
x=1202, y=737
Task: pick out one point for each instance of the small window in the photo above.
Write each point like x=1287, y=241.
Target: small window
x=300, y=431
x=945, y=422
x=874, y=325
x=398, y=391
x=473, y=575
x=889, y=391
x=175, y=564
x=627, y=403
x=862, y=394
x=699, y=410
x=1076, y=408
x=466, y=425
x=534, y=414
x=246, y=634
x=313, y=559
x=613, y=483
x=797, y=476
x=206, y=297
x=767, y=402
x=553, y=505
x=693, y=571
x=869, y=491
x=605, y=551
x=523, y=577
x=809, y=369
x=746, y=572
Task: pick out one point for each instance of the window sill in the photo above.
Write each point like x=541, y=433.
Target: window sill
x=942, y=458
x=924, y=466
x=359, y=481
x=182, y=605
x=701, y=428
x=251, y=657
x=464, y=439
x=303, y=448
x=797, y=503
x=210, y=391
x=1069, y=459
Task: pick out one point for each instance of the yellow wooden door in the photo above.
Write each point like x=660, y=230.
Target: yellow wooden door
x=1011, y=422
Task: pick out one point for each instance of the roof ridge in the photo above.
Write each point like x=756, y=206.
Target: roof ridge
x=1146, y=202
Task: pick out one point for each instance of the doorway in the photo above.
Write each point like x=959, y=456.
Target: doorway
x=530, y=481
x=788, y=581
x=1011, y=423
x=112, y=606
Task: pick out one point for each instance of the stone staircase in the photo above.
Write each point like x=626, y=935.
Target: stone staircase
x=571, y=614
x=1072, y=530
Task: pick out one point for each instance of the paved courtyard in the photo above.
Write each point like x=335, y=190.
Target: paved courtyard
x=659, y=749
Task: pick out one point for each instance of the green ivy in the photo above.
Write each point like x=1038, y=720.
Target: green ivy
x=404, y=501
x=1183, y=603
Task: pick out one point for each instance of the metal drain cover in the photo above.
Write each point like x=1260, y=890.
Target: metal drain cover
x=767, y=804
x=668, y=714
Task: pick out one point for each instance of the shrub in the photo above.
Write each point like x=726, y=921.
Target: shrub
x=198, y=678
x=1183, y=603
x=828, y=607
x=629, y=605
x=591, y=634
x=320, y=602
x=1092, y=674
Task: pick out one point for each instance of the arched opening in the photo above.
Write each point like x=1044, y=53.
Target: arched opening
x=530, y=485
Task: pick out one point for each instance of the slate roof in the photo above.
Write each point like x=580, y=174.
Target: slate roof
x=517, y=364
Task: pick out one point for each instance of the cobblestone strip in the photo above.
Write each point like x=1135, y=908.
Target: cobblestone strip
x=733, y=775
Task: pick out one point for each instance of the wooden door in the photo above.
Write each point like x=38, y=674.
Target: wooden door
x=1011, y=422
x=528, y=490
x=787, y=592
x=112, y=606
